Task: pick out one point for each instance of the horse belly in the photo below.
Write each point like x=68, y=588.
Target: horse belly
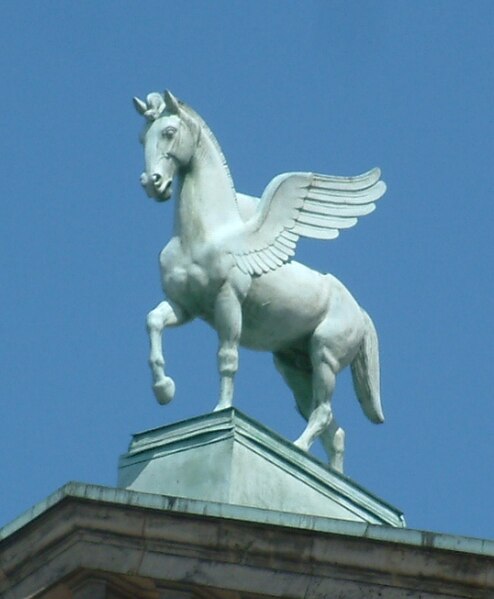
x=283, y=308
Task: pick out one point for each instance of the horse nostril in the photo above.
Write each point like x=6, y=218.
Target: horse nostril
x=156, y=177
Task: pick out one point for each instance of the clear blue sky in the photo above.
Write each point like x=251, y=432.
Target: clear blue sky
x=331, y=87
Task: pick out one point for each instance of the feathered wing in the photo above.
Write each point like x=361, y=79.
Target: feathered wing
x=302, y=204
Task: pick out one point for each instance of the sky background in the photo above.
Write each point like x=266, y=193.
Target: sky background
x=331, y=87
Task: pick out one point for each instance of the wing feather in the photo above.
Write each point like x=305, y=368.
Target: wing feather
x=280, y=254
x=348, y=183
x=268, y=260
x=286, y=245
x=258, y=262
x=276, y=259
x=288, y=252
x=317, y=232
x=297, y=205
x=243, y=264
x=338, y=209
x=289, y=236
x=322, y=220
x=350, y=197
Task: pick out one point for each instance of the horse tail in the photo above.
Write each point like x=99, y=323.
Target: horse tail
x=365, y=373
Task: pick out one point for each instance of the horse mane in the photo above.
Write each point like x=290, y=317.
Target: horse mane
x=204, y=129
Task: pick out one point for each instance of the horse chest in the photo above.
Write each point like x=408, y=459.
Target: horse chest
x=185, y=281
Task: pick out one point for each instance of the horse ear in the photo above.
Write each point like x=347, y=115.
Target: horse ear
x=140, y=106
x=171, y=102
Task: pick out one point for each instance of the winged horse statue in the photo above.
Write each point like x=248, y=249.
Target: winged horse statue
x=230, y=263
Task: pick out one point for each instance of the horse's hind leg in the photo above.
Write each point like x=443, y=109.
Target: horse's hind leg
x=321, y=421
x=333, y=440
x=300, y=381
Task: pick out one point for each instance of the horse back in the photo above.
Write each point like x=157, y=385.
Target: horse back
x=285, y=306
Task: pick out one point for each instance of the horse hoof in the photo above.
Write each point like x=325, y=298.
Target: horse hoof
x=164, y=390
x=301, y=445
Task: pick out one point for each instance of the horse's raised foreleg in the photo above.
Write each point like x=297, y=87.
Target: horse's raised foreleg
x=164, y=315
x=228, y=323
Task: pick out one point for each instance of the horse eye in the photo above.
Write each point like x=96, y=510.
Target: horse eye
x=168, y=132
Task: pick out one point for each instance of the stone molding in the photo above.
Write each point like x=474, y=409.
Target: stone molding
x=127, y=537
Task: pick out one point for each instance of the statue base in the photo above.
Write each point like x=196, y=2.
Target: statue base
x=229, y=458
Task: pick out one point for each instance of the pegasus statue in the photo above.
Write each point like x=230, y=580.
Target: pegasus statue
x=230, y=262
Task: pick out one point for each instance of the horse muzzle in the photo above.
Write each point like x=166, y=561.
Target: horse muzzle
x=156, y=186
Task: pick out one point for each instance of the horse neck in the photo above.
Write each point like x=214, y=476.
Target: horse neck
x=207, y=200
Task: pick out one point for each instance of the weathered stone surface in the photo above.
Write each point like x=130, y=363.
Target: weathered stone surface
x=228, y=458
x=153, y=547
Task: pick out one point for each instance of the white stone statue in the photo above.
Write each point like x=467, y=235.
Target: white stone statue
x=230, y=263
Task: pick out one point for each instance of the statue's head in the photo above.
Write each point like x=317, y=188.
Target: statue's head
x=169, y=139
